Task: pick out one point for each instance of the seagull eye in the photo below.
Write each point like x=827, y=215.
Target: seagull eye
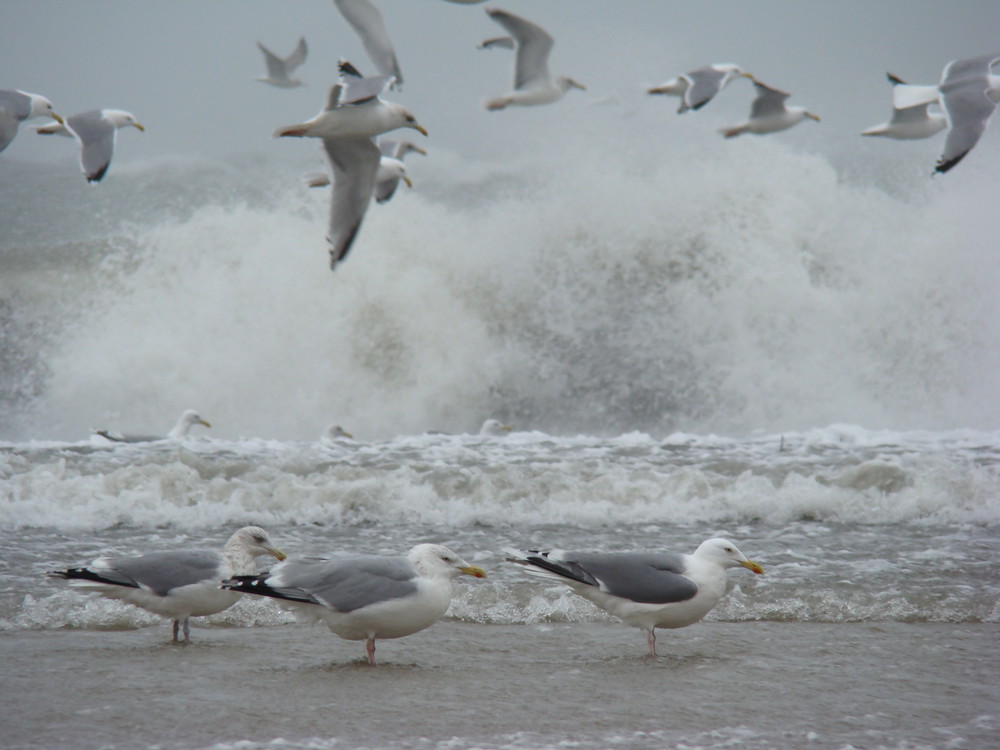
x=729, y=549
x=258, y=538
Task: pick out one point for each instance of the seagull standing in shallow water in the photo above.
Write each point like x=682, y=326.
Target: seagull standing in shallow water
x=179, y=584
x=647, y=590
x=366, y=597
x=533, y=84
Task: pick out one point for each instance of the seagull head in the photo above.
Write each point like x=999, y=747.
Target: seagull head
x=439, y=561
x=726, y=554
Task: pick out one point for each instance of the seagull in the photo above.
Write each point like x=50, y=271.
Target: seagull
x=179, y=431
x=367, y=22
x=335, y=432
x=768, y=113
x=647, y=590
x=178, y=584
x=354, y=113
x=494, y=428
x=365, y=597
x=698, y=87
x=279, y=69
x=390, y=169
x=909, y=123
x=96, y=132
x=533, y=84
x=16, y=106
x=968, y=94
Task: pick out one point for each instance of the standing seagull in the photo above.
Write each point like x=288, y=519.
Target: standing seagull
x=16, y=106
x=96, y=132
x=366, y=597
x=533, y=84
x=367, y=22
x=647, y=590
x=354, y=113
x=768, y=113
x=909, y=123
x=179, y=584
x=279, y=69
x=700, y=86
x=968, y=94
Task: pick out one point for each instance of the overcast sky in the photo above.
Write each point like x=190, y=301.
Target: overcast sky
x=186, y=68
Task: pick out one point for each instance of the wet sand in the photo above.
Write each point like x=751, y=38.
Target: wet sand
x=461, y=685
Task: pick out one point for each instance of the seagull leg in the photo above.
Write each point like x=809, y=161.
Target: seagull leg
x=177, y=625
x=651, y=640
x=187, y=629
x=370, y=648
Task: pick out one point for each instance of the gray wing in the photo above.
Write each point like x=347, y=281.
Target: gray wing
x=640, y=577
x=388, y=147
x=533, y=46
x=502, y=42
x=14, y=107
x=963, y=97
x=704, y=84
x=370, y=28
x=347, y=584
x=298, y=56
x=361, y=90
x=162, y=571
x=97, y=142
x=275, y=65
x=769, y=101
x=385, y=189
x=353, y=164
x=120, y=438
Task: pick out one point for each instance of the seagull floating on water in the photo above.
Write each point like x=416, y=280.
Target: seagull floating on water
x=968, y=94
x=280, y=69
x=909, y=123
x=178, y=584
x=533, y=84
x=647, y=590
x=17, y=106
x=353, y=114
x=368, y=597
x=96, y=132
x=698, y=87
x=769, y=114
x=187, y=420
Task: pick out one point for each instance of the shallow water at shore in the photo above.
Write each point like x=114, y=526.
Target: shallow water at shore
x=462, y=685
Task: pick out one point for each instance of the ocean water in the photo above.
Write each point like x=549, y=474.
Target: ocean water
x=795, y=351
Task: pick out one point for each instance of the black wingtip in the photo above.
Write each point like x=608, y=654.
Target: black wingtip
x=347, y=69
x=945, y=165
x=895, y=80
x=98, y=175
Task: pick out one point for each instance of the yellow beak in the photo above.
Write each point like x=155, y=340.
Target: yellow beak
x=57, y=118
x=751, y=565
x=139, y=127
x=473, y=570
x=277, y=553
